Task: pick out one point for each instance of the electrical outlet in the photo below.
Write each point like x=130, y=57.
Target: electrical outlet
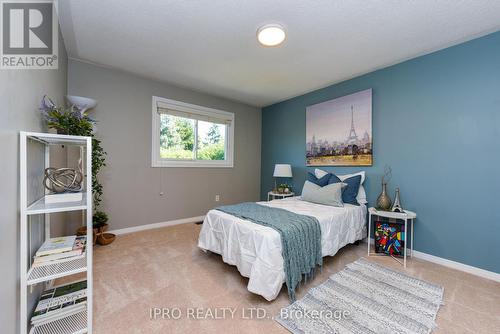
x=217, y=198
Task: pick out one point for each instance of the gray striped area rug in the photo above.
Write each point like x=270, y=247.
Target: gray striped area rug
x=366, y=298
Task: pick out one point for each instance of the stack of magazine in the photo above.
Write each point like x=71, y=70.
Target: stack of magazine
x=61, y=249
x=59, y=302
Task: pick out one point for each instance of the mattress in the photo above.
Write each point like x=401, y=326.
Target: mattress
x=256, y=250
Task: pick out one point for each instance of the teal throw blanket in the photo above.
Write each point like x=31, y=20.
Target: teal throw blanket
x=300, y=238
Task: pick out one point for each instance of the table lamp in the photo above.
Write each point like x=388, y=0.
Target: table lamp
x=281, y=170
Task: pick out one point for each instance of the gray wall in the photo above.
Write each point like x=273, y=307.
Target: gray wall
x=131, y=185
x=20, y=95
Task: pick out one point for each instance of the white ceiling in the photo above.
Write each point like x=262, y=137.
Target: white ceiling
x=211, y=45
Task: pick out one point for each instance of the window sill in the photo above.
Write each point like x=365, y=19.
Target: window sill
x=195, y=164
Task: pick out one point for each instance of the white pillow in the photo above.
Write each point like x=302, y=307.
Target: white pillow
x=328, y=195
x=361, y=197
x=346, y=176
x=319, y=173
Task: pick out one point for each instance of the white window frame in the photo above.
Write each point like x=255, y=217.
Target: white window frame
x=157, y=161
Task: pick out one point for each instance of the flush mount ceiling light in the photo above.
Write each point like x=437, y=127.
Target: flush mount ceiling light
x=271, y=35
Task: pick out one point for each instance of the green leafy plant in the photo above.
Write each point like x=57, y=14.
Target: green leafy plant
x=71, y=121
x=67, y=121
x=98, y=162
x=283, y=186
x=99, y=218
x=212, y=152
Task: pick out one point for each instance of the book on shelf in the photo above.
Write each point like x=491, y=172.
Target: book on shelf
x=77, y=251
x=63, y=197
x=56, y=245
x=59, y=302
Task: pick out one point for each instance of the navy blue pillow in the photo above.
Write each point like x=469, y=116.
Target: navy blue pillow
x=320, y=182
x=350, y=192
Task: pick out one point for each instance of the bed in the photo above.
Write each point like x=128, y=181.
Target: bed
x=256, y=250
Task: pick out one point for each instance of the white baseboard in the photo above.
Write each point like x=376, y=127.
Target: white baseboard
x=453, y=264
x=157, y=225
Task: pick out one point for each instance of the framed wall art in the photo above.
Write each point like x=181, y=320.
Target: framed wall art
x=339, y=131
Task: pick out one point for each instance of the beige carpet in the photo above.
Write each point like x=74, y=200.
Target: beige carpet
x=163, y=268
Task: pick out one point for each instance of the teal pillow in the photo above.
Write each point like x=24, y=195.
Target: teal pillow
x=350, y=192
x=323, y=181
x=330, y=194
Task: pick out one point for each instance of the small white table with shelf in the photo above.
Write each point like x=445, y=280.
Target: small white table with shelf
x=406, y=216
x=273, y=195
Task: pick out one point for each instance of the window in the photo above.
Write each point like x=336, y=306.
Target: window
x=187, y=135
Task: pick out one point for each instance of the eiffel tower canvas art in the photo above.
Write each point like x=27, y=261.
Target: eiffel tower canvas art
x=339, y=131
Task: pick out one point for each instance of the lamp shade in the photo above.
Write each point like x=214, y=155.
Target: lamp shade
x=282, y=170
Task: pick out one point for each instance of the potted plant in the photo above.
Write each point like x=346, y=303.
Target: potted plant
x=284, y=188
x=100, y=224
x=72, y=121
x=100, y=220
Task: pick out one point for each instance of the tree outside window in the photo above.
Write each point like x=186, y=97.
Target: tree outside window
x=178, y=136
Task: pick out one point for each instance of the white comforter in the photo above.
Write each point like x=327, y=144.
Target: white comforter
x=256, y=250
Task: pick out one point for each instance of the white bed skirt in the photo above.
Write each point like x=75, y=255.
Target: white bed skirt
x=256, y=250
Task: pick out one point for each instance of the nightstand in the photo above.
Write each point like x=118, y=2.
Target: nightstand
x=272, y=195
x=405, y=216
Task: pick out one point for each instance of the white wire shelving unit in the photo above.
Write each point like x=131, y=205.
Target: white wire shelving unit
x=35, y=149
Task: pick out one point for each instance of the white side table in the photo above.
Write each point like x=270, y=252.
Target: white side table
x=272, y=195
x=406, y=216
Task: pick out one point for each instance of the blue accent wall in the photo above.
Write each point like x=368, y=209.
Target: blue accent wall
x=436, y=122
